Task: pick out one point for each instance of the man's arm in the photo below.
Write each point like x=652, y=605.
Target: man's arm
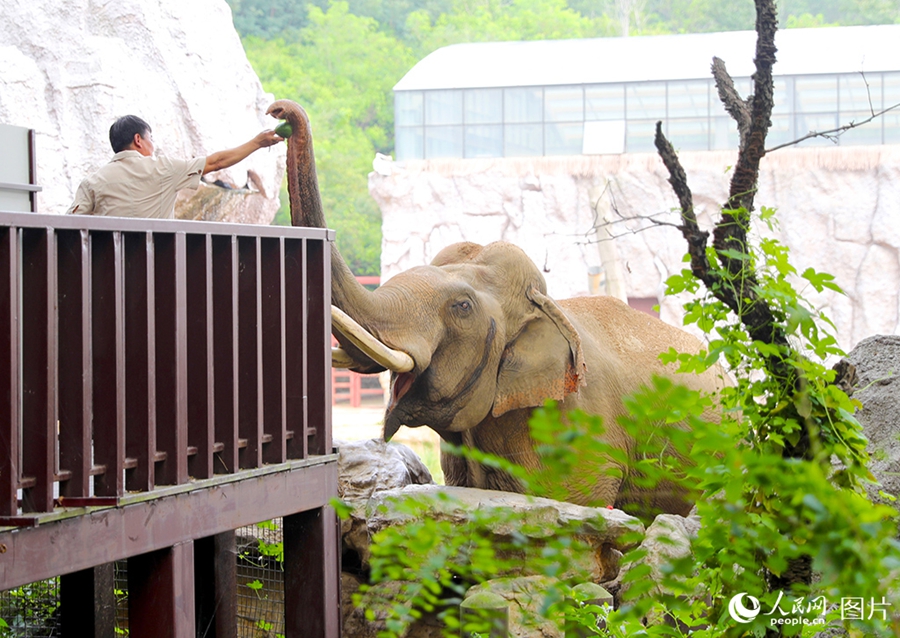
x=84, y=201
x=224, y=159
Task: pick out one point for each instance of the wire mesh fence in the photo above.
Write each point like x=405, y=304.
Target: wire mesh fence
x=32, y=611
x=260, y=576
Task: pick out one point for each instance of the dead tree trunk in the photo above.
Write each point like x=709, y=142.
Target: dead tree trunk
x=733, y=280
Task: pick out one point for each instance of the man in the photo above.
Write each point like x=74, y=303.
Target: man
x=137, y=184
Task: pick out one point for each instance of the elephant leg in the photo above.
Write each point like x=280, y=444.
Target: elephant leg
x=588, y=488
x=453, y=466
x=664, y=497
x=607, y=491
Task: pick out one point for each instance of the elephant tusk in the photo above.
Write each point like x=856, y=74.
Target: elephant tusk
x=394, y=360
x=340, y=359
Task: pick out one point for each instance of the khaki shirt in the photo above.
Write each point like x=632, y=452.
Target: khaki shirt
x=133, y=185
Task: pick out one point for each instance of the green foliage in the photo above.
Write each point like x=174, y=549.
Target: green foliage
x=426, y=565
x=765, y=508
x=842, y=12
x=759, y=511
x=31, y=608
x=268, y=18
x=266, y=552
x=265, y=626
x=268, y=548
x=495, y=20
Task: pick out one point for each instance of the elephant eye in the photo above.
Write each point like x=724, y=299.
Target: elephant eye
x=463, y=305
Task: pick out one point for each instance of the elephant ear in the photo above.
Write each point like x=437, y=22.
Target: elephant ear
x=544, y=361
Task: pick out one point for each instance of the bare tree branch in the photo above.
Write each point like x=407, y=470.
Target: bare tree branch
x=690, y=230
x=738, y=292
x=736, y=106
x=652, y=224
x=736, y=286
x=746, y=171
x=835, y=133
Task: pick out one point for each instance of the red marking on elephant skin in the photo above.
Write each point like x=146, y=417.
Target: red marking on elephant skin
x=573, y=381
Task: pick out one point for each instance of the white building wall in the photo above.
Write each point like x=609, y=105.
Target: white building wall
x=839, y=212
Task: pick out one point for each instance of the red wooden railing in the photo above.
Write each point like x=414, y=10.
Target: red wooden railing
x=161, y=351
x=346, y=385
x=165, y=365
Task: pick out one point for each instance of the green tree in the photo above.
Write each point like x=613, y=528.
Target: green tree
x=841, y=12
x=698, y=16
x=498, y=20
x=702, y=16
x=391, y=15
x=268, y=18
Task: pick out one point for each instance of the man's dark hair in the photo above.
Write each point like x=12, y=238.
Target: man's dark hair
x=122, y=132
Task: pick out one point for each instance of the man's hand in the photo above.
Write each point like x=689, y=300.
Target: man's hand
x=224, y=159
x=267, y=138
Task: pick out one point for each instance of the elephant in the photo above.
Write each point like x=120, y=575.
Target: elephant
x=474, y=343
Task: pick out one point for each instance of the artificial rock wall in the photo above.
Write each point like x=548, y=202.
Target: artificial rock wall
x=838, y=209
x=69, y=69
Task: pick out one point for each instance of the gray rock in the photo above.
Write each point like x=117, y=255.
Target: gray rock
x=377, y=601
x=539, y=519
x=877, y=361
x=837, y=209
x=526, y=596
x=668, y=537
x=367, y=467
x=832, y=632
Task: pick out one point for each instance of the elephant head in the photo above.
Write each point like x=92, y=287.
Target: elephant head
x=472, y=334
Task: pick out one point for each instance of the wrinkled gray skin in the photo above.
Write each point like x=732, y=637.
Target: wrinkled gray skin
x=489, y=346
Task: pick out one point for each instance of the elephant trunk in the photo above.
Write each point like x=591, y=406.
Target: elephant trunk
x=306, y=203
x=347, y=294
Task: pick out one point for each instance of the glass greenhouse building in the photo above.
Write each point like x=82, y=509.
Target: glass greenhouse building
x=572, y=97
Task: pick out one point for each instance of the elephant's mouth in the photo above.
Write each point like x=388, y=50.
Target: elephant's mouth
x=438, y=414
x=401, y=386
x=403, y=381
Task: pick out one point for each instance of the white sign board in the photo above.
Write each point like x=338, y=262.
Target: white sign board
x=16, y=186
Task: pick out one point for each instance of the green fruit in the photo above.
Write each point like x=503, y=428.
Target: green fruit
x=284, y=130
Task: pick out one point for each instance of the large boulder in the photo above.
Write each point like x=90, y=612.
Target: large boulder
x=877, y=362
x=526, y=599
x=70, y=73
x=605, y=532
x=667, y=538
